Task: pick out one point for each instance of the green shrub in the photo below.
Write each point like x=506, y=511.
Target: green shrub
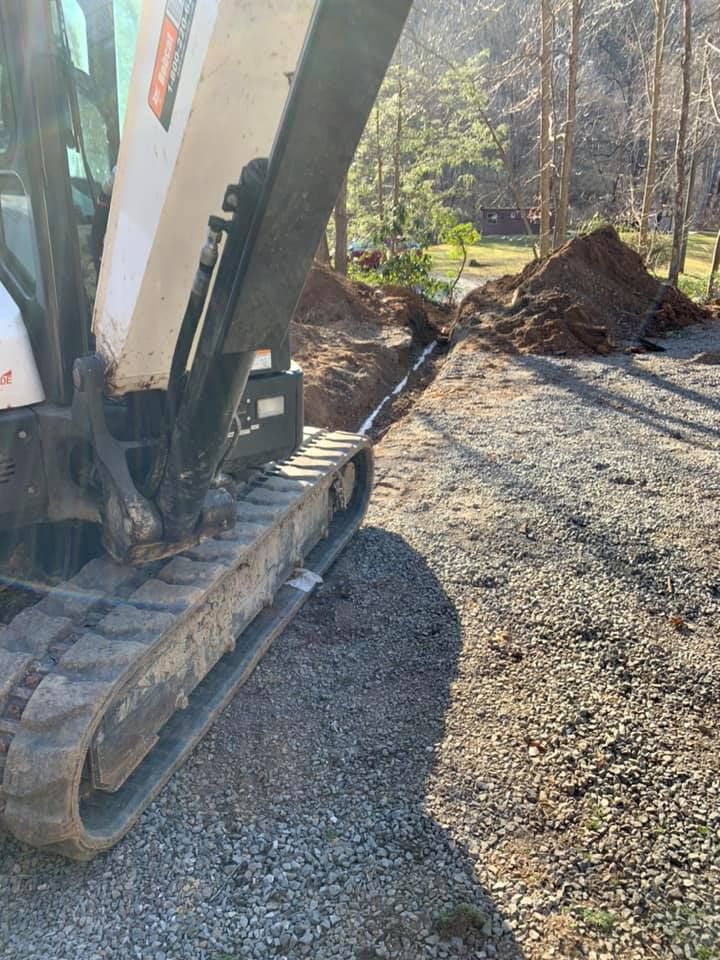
x=693, y=287
x=408, y=269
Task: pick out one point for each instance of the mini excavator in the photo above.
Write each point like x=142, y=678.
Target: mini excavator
x=167, y=170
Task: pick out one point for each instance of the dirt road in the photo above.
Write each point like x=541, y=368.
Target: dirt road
x=492, y=733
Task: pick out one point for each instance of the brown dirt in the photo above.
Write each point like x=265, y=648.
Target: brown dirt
x=355, y=343
x=589, y=296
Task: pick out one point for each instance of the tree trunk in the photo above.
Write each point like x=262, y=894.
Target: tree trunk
x=341, y=231
x=513, y=183
x=397, y=153
x=380, y=174
x=561, y=223
x=511, y=175
x=545, y=115
x=453, y=285
x=397, y=193
x=714, y=267
x=681, y=148
x=322, y=254
x=693, y=164
x=660, y=17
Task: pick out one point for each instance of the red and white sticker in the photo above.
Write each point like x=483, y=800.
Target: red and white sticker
x=172, y=47
x=263, y=360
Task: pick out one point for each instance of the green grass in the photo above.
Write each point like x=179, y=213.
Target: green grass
x=599, y=919
x=499, y=256
x=699, y=256
x=496, y=255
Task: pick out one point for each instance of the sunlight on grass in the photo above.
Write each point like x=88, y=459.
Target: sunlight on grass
x=697, y=265
x=496, y=256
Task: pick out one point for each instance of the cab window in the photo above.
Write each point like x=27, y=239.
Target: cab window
x=18, y=246
x=7, y=117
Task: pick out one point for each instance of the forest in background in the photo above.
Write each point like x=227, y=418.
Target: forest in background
x=584, y=110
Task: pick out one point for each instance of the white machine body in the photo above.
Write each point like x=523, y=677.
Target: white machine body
x=209, y=85
x=20, y=384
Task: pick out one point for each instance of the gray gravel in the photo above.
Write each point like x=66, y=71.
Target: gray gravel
x=494, y=730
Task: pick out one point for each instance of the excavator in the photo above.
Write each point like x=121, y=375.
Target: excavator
x=167, y=170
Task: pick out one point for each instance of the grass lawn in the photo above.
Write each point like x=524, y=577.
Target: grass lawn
x=499, y=256
x=697, y=263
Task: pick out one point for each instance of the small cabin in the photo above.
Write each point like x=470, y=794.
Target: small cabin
x=508, y=221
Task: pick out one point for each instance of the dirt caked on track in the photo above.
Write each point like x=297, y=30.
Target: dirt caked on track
x=591, y=296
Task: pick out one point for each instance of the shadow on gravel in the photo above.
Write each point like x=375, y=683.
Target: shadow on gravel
x=300, y=827
x=360, y=687
x=675, y=427
x=663, y=383
x=643, y=570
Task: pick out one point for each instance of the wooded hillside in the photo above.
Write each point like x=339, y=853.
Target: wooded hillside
x=630, y=129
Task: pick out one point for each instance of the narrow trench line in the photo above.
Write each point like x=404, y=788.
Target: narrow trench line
x=367, y=424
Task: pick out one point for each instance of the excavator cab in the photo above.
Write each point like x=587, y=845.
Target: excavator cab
x=163, y=190
x=96, y=46
x=65, y=80
x=65, y=69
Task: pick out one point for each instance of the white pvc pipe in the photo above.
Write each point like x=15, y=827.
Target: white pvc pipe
x=367, y=425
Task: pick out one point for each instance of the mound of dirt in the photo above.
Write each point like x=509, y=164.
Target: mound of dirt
x=588, y=297
x=355, y=343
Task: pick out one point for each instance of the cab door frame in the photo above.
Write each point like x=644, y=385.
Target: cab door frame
x=56, y=312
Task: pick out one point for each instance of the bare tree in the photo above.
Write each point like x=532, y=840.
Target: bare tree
x=341, y=230
x=681, y=148
x=546, y=106
x=561, y=223
x=693, y=160
x=714, y=266
x=660, y=24
x=515, y=188
x=614, y=95
x=322, y=254
x=514, y=184
x=397, y=146
x=380, y=172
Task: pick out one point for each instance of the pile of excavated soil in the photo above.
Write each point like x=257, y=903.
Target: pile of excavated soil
x=591, y=295
x=355, y=343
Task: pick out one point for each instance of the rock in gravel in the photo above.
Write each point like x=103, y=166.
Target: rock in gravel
x=492, y=733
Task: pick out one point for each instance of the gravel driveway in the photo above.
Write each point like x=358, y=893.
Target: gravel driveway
x=494, y=730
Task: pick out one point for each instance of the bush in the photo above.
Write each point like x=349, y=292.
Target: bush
x=694, y=288
x=657, y=252
x=460, y=237
x=408, y=269
x=596, y=222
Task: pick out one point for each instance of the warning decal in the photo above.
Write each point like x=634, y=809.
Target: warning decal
x=170, y=58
